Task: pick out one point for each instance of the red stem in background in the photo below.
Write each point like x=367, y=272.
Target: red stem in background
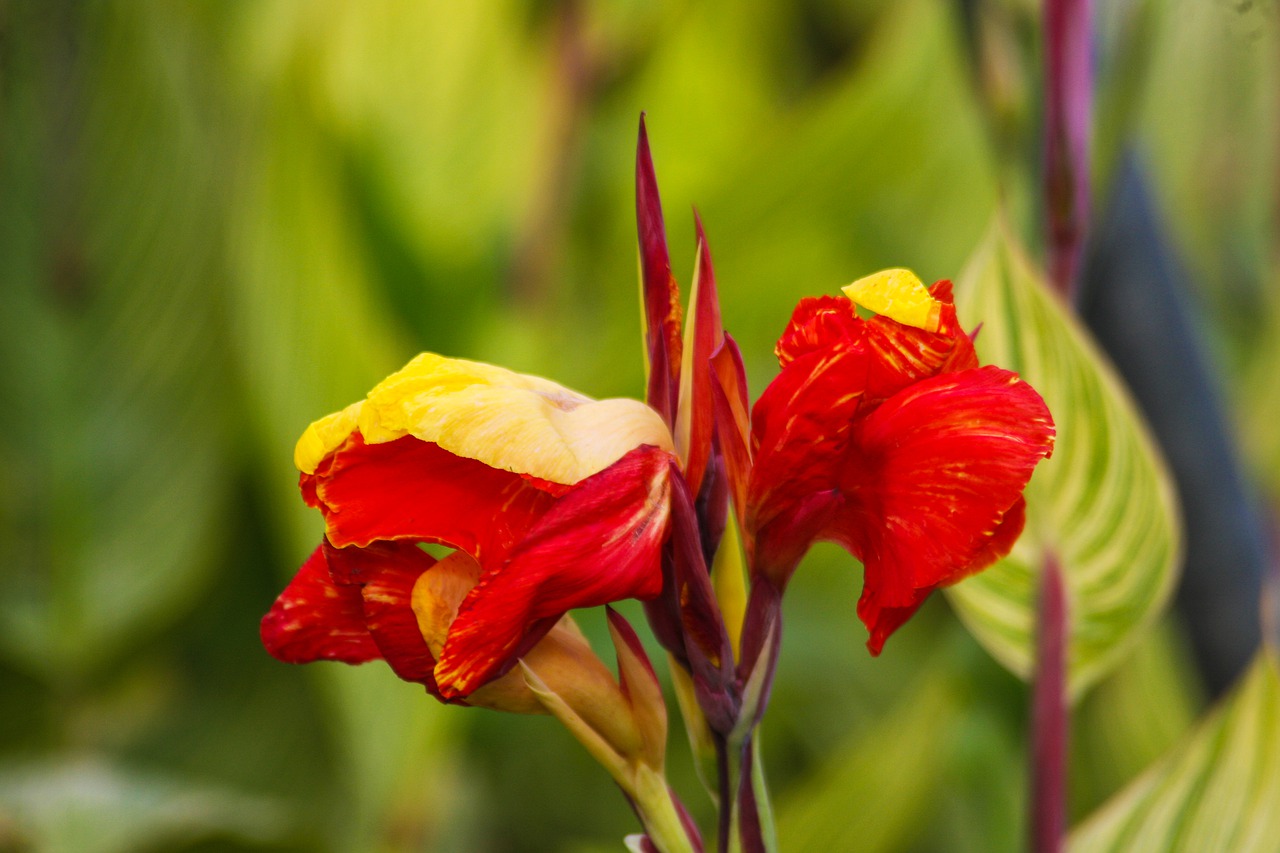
x=1068, y=26
x=1050, y=715
x=1067, y=128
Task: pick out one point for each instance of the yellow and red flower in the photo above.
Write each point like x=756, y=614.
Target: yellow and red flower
x=885, y=436
x=551, y=500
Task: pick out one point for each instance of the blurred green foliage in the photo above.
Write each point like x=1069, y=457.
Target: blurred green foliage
x=221, y=220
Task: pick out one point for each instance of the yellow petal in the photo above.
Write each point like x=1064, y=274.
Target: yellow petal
x=504, y=419
x=325, y=436
x=899, y=295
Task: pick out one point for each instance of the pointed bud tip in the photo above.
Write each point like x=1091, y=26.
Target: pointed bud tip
x=642, y=143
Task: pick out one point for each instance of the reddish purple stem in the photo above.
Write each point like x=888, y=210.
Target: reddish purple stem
x=1049, y=715
x=1067, y=128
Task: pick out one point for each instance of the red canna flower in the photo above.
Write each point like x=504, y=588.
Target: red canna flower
x=553, y=501
x=885, y=436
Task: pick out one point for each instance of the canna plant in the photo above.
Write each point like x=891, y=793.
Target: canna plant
x=882, y=433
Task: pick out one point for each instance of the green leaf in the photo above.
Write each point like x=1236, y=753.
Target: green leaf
x=311, y=334
x=89, y=806
x=875, y=791
x=1218, y=790
x=915, y=774
x=114, y=440
x=1103, y=504
x=1133, y=716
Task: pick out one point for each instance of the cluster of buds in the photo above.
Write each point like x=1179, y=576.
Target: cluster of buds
x=881, y=433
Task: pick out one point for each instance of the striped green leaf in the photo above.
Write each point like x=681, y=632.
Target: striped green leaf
x=1103, y=504
x=1218, y=790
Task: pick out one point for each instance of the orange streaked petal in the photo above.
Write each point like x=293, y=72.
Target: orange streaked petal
x=658, y=290
x=933, y=489
x=385, y=574
x=943, y=462
x=896, y=355
x=818, y=323
x=409, y=489
x=318, y=619
x=801, y=425
x=899, y=356
x=599, y=543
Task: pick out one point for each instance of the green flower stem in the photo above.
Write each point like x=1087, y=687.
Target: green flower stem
x=750, y=825
x=751, y=822
x=656, y=805
x=764, y=806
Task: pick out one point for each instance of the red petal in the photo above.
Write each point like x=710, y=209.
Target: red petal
x=411, y=489
x=599, y=543
x=732, y=421
x=317, y=619
x=817, y=324
x=998, y=545
x=802, y=425
x=931, y=477
x=661, y=295
x=696, y=417
x=731, y=376
x=388, y=571
x=883, y=621
x=897, y=355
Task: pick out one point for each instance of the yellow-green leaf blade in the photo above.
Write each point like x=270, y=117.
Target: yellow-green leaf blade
x=1104, y=504
x=1218, y=790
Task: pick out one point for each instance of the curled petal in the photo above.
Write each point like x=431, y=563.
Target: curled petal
x=933, y=487
x=317, y=619
x=895, y=355
x=409, y=489
x=385, y=574
x=881, y=621
x=818, y=324
x=599, y=543
x=438, y=594
x=325, y=436
x=899, y=356
x=507, y=420
x=802, y=426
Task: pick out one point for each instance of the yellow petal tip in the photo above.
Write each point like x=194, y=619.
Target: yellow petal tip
x=899, y=295
x=324, y=436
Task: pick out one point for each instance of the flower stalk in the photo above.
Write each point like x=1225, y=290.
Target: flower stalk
x=1050, y=714
x=1067, y=128
x=662, y=815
